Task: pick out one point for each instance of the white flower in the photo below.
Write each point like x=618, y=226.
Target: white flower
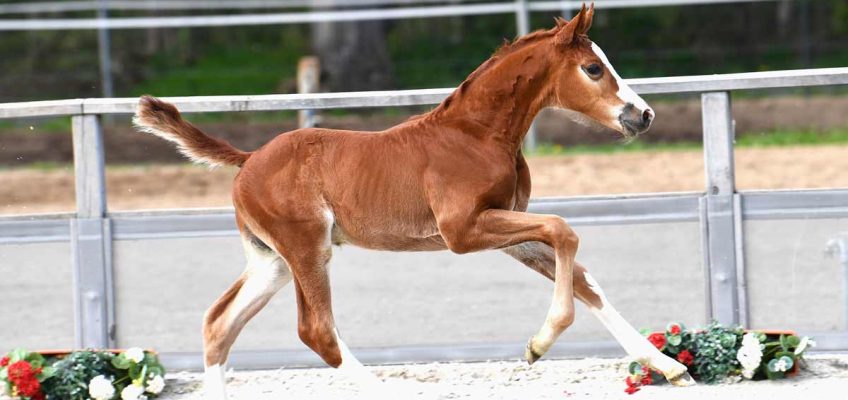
x=135, y=354
x=155, y=385
x=100, y=388
x=750, y=340
x=805, y=342
x=750, y=354
x=781, y=365
x=132, y=392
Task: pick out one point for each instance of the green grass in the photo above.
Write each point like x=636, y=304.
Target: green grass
x=548, y=149
x=793, y=137
x=37, y=126
x=255, y=67
x=749, y=139
x=45, y=166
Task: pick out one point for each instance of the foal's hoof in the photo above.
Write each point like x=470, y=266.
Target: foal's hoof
x=531, y=355
x=682, y=380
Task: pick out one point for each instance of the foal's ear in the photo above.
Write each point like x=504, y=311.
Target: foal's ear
x=578, y=25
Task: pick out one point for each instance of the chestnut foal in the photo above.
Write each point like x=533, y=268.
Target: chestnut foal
x=454, y=178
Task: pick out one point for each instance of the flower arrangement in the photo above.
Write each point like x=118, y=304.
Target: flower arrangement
x=22, y=373
x=721, y=354
x=134, y=374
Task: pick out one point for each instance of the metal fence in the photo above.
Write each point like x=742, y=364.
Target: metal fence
x=152, y=5
x=720, y=208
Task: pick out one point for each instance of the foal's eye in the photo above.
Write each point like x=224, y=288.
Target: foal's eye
x=594, y=71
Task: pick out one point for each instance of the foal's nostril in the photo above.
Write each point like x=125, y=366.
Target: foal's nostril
x=647, y=116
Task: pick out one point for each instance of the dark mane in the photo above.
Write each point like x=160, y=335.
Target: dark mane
x=504, y=50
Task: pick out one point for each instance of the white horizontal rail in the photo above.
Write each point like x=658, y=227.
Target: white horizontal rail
x=255, y=19
x=322, y=16
x=152, y=5
x=276, y=102
x=606, y=4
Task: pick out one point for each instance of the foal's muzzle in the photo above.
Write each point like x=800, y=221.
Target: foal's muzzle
x=634, y=120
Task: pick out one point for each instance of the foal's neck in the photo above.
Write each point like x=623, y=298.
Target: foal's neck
x=500, y=100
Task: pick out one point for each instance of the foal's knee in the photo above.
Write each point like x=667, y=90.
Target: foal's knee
x=561, y=234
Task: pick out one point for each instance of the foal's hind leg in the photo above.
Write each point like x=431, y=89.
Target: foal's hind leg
x=266, y=273
x=541, y=258
x=308, y=253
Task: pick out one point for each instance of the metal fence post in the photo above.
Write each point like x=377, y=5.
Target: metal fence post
x=308, y=81
x=105, y=52
x=522, y=17
x=91, y=239
x=721, y=223
x=566, y=10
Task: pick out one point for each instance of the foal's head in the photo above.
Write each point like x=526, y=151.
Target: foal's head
x=585, y=82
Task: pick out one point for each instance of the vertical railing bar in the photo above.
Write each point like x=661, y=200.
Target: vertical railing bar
x=720, y=187
x=111, y=317
x=308, y=81
x=705, y=248
x=741, y=280
x=90, y=237
x=88, y=166
x=77, y=287
x=522, y=17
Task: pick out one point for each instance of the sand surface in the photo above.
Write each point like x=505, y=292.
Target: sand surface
x=175, y=186
x=826, y=377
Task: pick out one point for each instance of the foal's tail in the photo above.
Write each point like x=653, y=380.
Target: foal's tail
x=163, y=119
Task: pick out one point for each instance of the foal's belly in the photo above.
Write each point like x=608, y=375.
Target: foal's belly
x=378, y=235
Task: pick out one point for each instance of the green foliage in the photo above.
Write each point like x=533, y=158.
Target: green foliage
x=71, y=375
x=430, y=52
x=74, y=372
x=253, y=61
x=716, y=348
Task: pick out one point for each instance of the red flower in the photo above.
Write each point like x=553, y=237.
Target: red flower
x=675, y=329
x=29, y=388
x=658, y=340
x=685, y=357
x=647, y=380
x=632, y=386
x=24, y=378
x=21, y=370
x=4, y=361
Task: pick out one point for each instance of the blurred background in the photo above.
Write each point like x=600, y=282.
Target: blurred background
x=411, y=53
x=656, y=272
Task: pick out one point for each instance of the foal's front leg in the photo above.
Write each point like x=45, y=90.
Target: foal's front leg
x=493, y=229
x=540, y=258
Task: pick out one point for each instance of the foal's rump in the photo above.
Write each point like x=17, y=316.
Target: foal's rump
x=363, y=188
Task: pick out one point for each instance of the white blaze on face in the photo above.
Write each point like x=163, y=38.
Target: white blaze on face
x=625, y=93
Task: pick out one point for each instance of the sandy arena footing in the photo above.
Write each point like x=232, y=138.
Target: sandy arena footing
x=826, y=377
